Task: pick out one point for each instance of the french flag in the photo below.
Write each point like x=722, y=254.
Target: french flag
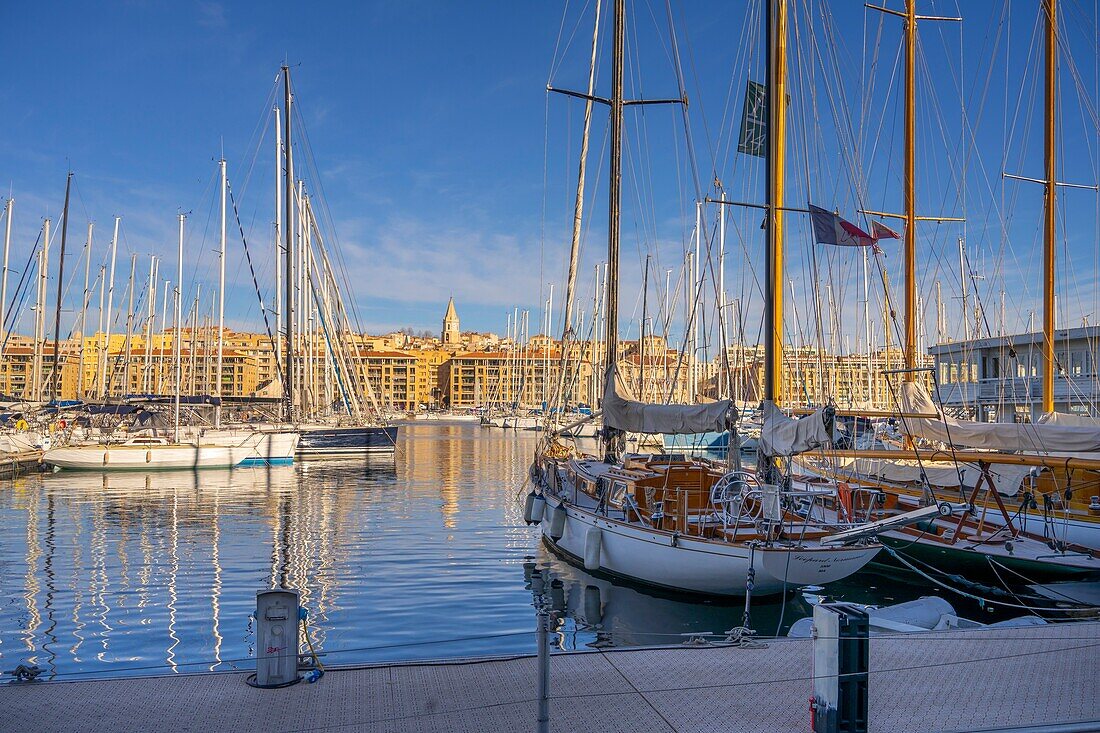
x=831, y=229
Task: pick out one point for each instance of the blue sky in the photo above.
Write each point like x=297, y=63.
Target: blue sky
x=448, y=171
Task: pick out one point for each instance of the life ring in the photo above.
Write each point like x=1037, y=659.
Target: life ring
x=62, y=424
x=21, y=425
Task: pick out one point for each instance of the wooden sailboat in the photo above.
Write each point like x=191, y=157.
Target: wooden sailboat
x=671, y=522
x=1054, y=530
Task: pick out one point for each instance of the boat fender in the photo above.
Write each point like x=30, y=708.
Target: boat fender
x=557, y=522
x=148, y=456
x=533, y=508
x=106, y=457
x=593, y=541
x=593, y=605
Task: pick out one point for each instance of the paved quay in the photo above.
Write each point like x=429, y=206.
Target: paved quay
x=940, y=681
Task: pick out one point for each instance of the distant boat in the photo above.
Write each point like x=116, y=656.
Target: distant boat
x=323, y=440
x=147, y=453
x=275, y=447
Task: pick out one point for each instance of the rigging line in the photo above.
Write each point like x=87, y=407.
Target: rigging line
x=558, y=57
x=13, y=311
x=683, y=107
x=260, y=131
x=308, y=162
x=912, y=563
x=252, y=270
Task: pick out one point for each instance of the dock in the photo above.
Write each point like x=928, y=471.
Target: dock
x=17, y=464
x=983, y=679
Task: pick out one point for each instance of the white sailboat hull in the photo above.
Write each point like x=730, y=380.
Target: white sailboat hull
x=523, y=422
x=675, y=562
x=264, y=448
x=148, y=457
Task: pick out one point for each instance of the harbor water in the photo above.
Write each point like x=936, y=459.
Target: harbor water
x=423, y=554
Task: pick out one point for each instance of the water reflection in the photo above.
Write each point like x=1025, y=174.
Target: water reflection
x=144, y=573
x=130, y=573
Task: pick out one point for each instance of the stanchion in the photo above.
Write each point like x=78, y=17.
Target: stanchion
x=544, y=670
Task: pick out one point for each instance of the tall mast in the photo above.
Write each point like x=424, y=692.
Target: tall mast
x=129, y=328
x=8, y=209
x=150, y=318
x=56, y=373
x=40, y=310
x=278, y=231
x=103, y=386
x=910, y=194
x=578, y=205
x=288, y=270
x=84, y=314
x=776, y=137
x=177, y=346
x=642, y=331
x=99, y=330
x=615, y=440
x=1050, y=10
x=221, y=309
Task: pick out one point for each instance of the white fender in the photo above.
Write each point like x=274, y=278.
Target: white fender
x=593, y=542
x=534, y=508
x=557, y=522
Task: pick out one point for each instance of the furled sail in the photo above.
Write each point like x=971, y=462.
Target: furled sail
x=1050, y=434
x=623, y=412
x=788, y=436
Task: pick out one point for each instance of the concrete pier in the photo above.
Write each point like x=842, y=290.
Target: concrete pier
x=939, y=681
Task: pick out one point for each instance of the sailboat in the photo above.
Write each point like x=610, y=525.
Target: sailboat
x=692, y=525
x=150, y=451
x=349, y=433
x=1054, y=530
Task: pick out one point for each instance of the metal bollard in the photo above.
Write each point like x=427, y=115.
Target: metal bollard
x=841, y=647
x=544, y=670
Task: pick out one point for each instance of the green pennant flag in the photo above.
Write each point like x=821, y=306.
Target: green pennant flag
x=754, y=122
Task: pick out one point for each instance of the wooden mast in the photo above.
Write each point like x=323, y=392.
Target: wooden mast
x=776, y=138
x=910, y=194
x=615, y=438
x=1050, y=10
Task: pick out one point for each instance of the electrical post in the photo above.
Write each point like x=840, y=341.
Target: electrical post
x=544, y=670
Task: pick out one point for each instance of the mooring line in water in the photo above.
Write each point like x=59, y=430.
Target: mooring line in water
x=972, y=596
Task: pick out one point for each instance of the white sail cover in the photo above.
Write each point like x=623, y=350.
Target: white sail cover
x=622, y=412
x=788, y=436
x=1046, y=436
x=1007, y=479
